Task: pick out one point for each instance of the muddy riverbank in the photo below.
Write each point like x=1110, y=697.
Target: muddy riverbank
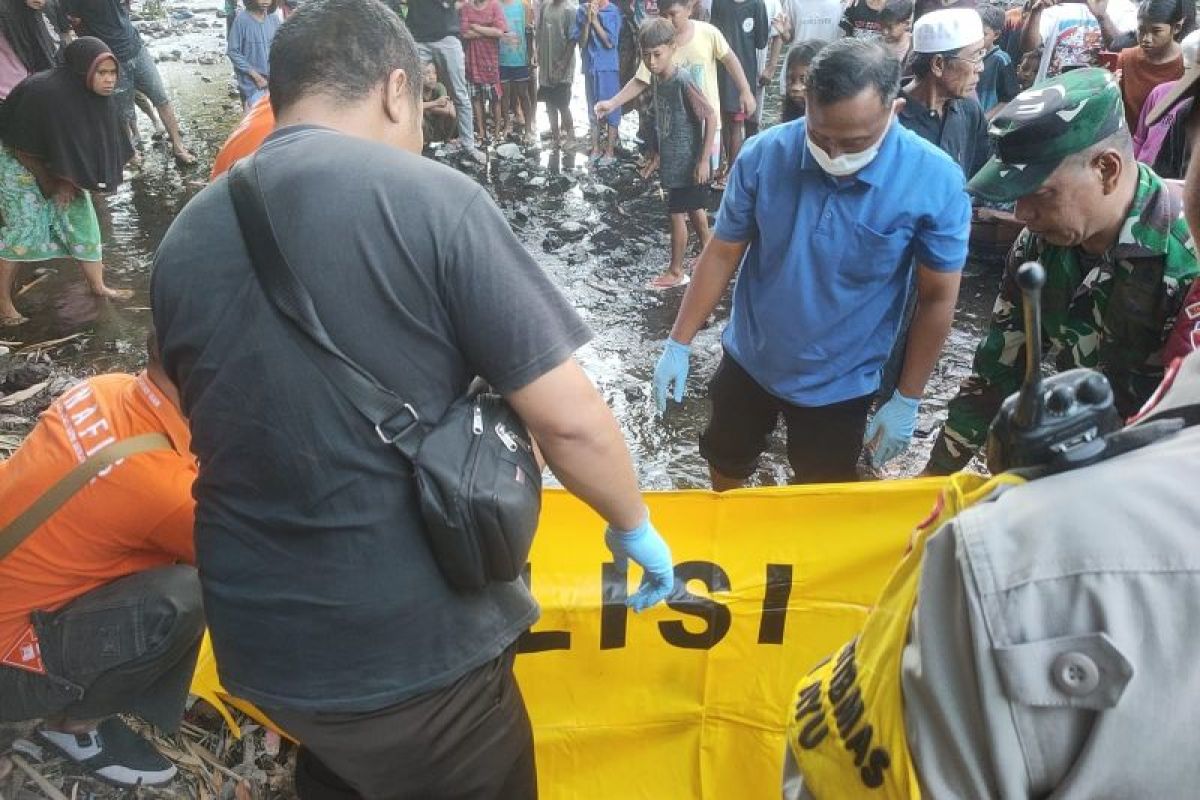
x=600, y=234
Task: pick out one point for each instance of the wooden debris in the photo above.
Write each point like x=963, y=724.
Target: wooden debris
x=46, y=786
x=30, y=348
x=32, y=284
x=23, y=395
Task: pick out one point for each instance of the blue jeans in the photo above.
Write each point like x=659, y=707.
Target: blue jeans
x=141, y=74
x=447, y=55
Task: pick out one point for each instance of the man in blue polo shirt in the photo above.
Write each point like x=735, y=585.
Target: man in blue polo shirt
x=826, y=217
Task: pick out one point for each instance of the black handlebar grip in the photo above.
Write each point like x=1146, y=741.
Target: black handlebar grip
x=1031, y=276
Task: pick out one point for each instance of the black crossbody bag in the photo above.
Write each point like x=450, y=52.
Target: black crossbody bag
x=478, y=480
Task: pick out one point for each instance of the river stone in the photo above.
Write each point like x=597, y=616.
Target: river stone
x=597, y=190
x=24, y=376
x=510, y=151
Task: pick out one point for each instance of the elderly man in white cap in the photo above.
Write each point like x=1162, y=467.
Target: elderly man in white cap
x=940, y=104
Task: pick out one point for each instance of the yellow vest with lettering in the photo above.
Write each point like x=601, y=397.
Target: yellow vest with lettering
x=846, y=727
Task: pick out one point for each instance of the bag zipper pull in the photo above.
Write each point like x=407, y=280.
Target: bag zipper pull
x=506, y=437
x=477, y=423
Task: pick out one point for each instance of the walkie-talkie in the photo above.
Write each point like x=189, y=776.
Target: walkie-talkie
x=1057, y=422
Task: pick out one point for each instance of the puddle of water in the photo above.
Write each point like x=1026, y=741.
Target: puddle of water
x=603, y=269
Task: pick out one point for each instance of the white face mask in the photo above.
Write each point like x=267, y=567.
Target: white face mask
x=847, y=163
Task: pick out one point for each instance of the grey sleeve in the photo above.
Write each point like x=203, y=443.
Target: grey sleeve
x=510, y=320
x=943, y=712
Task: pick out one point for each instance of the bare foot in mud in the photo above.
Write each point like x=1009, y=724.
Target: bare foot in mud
x=184, y=157
x=113, y=294
x=669, y=280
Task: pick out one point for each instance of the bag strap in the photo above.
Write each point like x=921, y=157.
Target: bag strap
x=396, y=422
x=53, y=498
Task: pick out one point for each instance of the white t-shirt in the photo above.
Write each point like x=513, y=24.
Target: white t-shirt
x=814, y=19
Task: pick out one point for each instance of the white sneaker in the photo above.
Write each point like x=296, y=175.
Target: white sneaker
x=114, y=753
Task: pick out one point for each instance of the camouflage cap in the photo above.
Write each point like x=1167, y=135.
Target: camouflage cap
x=1042, y=126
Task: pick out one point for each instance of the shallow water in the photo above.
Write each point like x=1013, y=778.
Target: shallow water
x=601, y=237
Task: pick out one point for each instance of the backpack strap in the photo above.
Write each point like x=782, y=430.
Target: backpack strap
x=44, y=507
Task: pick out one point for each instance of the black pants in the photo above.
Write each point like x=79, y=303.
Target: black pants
x=128, y=647
x=470, y=740
x=823, y=442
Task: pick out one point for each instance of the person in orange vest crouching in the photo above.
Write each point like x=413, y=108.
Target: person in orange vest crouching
x=100, y=608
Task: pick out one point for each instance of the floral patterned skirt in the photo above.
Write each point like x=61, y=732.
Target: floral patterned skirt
x=33, y=228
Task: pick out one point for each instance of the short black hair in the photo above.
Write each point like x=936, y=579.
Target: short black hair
x=896, y=11
x=844, y=68
x=992, y=17
x=1160, y=12
x=801, y=54
x=655, y=32
x=343, y=49
x=664, y=5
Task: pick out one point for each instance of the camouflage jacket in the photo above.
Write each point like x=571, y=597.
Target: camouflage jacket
x=1116, y=316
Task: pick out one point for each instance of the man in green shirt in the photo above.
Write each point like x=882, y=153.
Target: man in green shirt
x=1111, y=236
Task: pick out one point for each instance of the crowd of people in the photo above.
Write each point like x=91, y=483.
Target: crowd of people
x=846, y=226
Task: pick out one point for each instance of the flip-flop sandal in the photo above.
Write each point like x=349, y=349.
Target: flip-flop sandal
x=12, y=322
x=684, y=280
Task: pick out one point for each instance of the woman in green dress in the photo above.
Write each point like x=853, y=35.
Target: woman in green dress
x=62, y=139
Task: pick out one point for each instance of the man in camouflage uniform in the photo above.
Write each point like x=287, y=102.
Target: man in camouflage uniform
x=1111, y=236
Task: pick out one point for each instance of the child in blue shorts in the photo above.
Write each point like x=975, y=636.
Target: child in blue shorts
x=598, y=30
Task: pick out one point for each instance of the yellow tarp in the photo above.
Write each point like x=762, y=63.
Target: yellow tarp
x=689, y=701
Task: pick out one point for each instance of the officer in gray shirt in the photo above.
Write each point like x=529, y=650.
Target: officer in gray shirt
x=1051, y=650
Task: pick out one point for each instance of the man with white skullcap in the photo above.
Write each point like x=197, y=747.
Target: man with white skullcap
x=940, y=105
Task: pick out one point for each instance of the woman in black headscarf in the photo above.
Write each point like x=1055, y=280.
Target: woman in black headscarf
x=63, y=138
x=25, y=43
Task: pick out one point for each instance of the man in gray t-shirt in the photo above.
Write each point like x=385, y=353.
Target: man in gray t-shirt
x=324, y=602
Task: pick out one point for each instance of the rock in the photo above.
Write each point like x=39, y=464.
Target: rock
x=60, y=384
x=537, y=182
x=634, y=392
x=24, y=376
x=14, y=422
x=205, y=79
x=606, y=240
x=560, y=183
x=509, y=151
x=571, y=227
x=597, y=191
x=4, y=350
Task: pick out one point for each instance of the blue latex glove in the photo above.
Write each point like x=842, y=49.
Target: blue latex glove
x=647, y=548
x=892, y=429
x=672, y=367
